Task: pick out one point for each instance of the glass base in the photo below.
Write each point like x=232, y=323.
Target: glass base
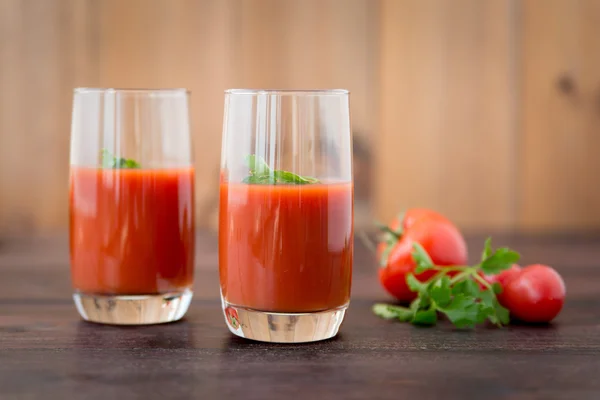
x=283, y=327
x=133, y=310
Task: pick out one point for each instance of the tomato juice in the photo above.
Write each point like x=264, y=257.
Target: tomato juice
x=132, y=230
x=285, y=247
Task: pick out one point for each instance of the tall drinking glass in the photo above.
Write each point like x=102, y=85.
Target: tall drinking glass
x=286, y=214
x=131, y=205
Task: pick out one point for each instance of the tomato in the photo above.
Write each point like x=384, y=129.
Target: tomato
x=408, y=219
x=536, y=294
x=503, y=278
x=439, y=237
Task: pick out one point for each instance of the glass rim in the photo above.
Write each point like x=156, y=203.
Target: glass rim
x=145, y=91
x=290, y=92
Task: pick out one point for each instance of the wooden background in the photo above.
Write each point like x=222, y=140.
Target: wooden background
x=487, y=110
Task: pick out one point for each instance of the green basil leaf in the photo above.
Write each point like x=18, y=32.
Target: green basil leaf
x=440, y=291
x=259, y=179
x=385, y=254
x=261, y=173
x=499, y=261
x=415, y=305
x=463, y=311
x=502, y=314
x=414, y=284
x=487, y=249
x=387, y=311
x=468, y=288
x=257, y=165
x=425, y=317
x=487, y=298
x=108, y=160
x=422, y=259
x=288, y=177
x=497, y=288
x=483, y=313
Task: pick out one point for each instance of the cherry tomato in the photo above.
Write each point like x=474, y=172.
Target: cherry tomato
x=536, y=294
x=503, y=278
x=438, y=236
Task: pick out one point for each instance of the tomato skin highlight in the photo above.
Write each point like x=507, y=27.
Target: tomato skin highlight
x=439, y=237
x=536, y=294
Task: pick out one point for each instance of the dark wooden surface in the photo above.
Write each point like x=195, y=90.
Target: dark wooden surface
x=47, y=352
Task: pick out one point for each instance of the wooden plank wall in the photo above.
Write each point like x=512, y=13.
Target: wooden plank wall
x=490, y=112
x=45, y=51
x=560, y=125
x=448, y=110
x=485, y=110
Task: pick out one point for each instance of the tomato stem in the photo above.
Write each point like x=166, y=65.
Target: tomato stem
x=436, y=276
x=459, y=277
x=396, y=234
x=452, y=268
x=479, y=279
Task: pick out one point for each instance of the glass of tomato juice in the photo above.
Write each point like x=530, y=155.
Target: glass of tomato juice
x=286, y=213
x=131, y=205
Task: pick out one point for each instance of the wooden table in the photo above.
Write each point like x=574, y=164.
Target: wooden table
x=47, y=352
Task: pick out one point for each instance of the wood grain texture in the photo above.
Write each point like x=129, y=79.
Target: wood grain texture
x=447, y=110
x=46, y=351
x=45, y=51
x=559, y=186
